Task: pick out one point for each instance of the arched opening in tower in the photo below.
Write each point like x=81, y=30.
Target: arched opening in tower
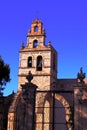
x=35, y=43
x=36, y=29
x=29, y=61
x=39, y=63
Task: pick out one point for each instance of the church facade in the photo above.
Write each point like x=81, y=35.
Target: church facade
x=44, y=102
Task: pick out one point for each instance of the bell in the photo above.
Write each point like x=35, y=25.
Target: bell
x=40, y=64
x=29, y=61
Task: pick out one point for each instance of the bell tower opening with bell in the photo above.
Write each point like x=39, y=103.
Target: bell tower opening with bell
x=39, y=58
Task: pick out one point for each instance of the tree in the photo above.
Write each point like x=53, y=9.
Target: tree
x=4, y=75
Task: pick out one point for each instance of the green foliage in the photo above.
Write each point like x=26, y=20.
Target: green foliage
x=4, y=74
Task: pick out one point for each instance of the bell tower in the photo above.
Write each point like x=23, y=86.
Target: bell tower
x=39, y=58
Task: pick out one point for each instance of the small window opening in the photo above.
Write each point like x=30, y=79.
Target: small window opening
x=35, y=44
x=36, y=29
x=39, y=63
x=29, y=61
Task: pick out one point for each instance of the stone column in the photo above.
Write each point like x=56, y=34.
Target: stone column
x=76, y=105
x=28, y=94
x=80, y=107
x=39, y=118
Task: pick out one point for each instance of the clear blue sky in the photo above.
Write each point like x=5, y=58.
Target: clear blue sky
x=65, y=22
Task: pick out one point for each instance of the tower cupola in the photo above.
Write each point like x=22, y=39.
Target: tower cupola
x=36, y=35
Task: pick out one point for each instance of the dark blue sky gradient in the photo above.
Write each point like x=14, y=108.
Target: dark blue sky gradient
x=65, y=22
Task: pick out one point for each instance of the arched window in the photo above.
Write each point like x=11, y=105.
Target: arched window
x=36, y=29
x=30, y=61
x=35, y=43
x=39, y=63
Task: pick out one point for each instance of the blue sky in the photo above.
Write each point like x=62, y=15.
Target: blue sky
x=65, y=22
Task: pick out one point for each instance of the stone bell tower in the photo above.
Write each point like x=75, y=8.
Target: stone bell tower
x=39, y=58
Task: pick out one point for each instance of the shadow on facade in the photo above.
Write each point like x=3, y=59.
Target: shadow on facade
x=5, y=103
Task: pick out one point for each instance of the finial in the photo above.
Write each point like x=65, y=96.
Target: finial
x=29, y=77
x=81, y=75
x=49, y=43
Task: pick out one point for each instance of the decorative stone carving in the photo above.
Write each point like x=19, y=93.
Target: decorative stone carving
x=81, y=76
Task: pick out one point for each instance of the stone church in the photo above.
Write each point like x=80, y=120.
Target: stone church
x=43, y=102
